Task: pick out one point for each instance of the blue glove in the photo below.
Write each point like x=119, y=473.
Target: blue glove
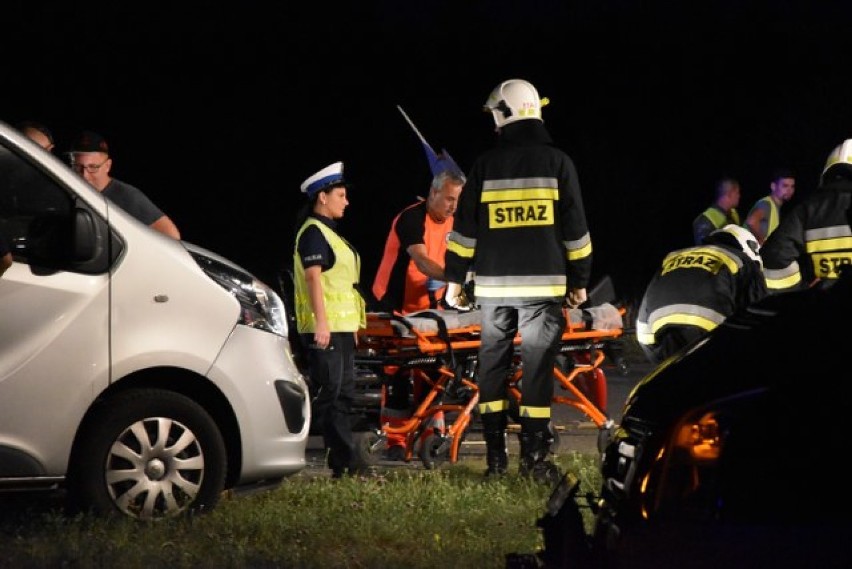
x=433, y=285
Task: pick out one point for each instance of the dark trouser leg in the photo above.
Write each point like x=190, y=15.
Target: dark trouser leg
x=541, y=326
x=499, y=326
x=494, y=432
x=333, y=374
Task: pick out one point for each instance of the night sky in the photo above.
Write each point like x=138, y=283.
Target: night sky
x=219, y=113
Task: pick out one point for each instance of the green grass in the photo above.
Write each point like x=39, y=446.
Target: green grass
x=397, y=517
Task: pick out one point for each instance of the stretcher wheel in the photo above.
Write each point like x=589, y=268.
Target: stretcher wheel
x=433, y=450
x=368, y=447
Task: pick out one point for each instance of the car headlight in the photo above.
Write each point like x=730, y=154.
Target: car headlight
x=690, y=476
x=260, y=306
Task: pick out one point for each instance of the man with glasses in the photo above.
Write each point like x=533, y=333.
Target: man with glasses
x=89, y=157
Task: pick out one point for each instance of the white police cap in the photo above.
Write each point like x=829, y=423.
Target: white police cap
x=328, y=177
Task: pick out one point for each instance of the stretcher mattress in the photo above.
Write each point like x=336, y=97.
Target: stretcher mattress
x=602, y=317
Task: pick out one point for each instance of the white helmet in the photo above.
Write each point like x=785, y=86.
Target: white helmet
x=514, y=100
x=840, y=159
x=745, y=238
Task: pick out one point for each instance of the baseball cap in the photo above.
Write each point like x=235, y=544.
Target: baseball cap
x=88, y=141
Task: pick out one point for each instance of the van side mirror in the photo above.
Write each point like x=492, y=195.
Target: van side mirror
x=59, y=241
x=48, y=241
x=85, y=242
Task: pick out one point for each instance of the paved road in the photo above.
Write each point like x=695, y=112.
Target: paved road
x=576, y=431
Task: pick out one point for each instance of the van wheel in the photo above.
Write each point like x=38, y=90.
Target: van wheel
x=148, y=454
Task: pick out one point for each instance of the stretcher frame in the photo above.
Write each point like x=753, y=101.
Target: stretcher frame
x=446, y=360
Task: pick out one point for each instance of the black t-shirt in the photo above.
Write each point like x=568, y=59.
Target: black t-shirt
x=313, y=247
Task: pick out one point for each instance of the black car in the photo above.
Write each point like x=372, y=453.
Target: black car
x=729, y=454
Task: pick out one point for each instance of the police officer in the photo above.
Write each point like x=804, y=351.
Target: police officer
x=813, y=242
x=329, y=311
x=697, y=288
x=522, y=228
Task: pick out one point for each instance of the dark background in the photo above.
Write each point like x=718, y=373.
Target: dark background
x=219, y=113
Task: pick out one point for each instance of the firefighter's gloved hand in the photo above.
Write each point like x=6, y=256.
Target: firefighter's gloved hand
x=576, y=297
x=454, y=297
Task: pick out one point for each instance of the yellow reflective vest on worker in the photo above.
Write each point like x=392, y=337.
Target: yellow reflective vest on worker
x=344, y=305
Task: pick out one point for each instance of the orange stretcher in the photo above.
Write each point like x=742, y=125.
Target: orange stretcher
x=441, y=348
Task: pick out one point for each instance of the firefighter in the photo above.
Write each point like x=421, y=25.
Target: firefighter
x=521, y=228
x=813, y=242
x=697, y=288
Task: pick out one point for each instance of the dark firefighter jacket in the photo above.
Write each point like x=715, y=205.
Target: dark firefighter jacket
x=698, y=286
x=520, y=224
x=813, y=240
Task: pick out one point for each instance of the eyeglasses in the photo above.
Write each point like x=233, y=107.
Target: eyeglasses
x=90, y=168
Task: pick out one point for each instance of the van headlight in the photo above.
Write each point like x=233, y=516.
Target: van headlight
x=260, y=306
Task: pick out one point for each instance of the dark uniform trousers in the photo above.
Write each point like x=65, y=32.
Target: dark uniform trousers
x=333, y=382
x=540, y=326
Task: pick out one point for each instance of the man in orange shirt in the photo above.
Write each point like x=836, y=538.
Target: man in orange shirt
x=411, y=274
x=414, y=250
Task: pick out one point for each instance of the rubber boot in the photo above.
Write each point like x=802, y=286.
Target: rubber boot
x=535, y=448
x=496, y=455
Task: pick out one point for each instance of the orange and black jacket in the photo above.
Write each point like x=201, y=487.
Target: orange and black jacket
x=399, y=285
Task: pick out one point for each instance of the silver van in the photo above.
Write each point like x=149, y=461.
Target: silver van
x=138, y=374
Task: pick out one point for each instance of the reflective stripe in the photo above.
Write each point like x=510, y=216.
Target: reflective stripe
x=513, y=195
x=494, y=406
x=463, y=252
x=580, y=253
x=519, y=183
x=535, y=412
x=782, y=283
x=680, y=314
x=828, y=232
x=522, y=279
x=461, y=240
x=507, y=291
x=521, y=286
x=832, y=244
x=646, y=338
x=685, y=320
x=460, y=245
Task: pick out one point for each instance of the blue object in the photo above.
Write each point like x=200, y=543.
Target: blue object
x=433, y=285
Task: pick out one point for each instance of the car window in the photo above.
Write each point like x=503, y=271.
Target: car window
x=33, y=208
